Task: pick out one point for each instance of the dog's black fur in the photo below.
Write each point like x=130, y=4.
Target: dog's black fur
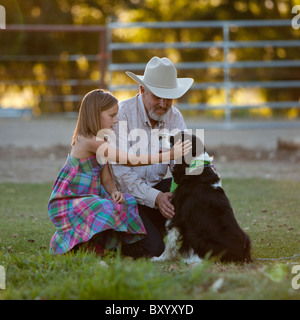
x=204, y=216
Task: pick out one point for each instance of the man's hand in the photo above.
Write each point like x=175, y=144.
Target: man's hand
x=163, y=201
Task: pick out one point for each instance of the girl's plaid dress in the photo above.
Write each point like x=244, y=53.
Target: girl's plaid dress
x=80, y=209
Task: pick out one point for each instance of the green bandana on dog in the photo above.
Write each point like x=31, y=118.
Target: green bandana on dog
x=197, y=163
x=174, y=185
x=201, y=161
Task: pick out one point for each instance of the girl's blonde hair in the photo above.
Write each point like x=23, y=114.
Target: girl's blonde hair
x=89, y=118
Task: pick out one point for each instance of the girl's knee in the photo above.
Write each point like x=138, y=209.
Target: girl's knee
x=129, y=199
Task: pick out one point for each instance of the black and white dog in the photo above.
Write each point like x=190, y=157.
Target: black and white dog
x=204, y=221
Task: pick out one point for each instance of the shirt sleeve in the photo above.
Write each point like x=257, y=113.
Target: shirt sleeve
x=178, y=124
x=128, y=180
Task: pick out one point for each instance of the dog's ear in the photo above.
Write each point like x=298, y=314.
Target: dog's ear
x=178, y=136
x=172, y=139
x=179, y=173
x=184, y=136
x=197, y=145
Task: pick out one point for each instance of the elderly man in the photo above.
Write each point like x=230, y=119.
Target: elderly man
x=151, y=111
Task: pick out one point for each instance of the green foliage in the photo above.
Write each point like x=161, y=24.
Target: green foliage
x=99, y=12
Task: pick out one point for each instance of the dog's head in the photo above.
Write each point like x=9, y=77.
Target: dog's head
x=197, y=146
x=183, y=170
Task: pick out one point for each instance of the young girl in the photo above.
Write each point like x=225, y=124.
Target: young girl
x=85, y=205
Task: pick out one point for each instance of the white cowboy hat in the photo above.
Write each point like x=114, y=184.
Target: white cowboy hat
x=160, y=77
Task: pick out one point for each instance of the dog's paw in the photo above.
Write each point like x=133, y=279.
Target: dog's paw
x=191, y=258
x=160, y=258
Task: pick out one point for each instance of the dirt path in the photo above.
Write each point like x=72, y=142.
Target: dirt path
x=35, y=150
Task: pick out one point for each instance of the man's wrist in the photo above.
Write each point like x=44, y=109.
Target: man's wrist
x=157, y=198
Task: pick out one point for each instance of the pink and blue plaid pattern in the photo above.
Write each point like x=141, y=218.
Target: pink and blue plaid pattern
x=80, y=208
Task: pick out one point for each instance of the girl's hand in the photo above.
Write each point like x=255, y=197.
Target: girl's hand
x=118, y=197
x=180, y=149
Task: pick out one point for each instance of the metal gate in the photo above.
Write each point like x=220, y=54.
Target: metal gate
x=226, y=44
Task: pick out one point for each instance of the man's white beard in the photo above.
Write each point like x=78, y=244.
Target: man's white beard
x=155, y=117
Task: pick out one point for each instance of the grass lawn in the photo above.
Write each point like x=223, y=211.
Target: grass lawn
x=268, y=211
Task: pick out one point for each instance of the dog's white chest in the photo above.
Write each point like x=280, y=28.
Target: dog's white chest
x=217, y=185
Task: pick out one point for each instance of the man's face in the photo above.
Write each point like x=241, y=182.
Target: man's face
x=157, y=108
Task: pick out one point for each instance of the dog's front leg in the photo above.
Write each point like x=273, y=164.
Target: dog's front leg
x=171, y=249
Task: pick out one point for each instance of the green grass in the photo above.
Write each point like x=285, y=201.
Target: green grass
x=268, y=210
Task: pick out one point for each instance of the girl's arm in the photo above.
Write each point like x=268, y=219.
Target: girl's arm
x=107, y=182
x=110, y=187
x=105, y=150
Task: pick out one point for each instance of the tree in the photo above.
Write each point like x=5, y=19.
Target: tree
x=17, y=47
